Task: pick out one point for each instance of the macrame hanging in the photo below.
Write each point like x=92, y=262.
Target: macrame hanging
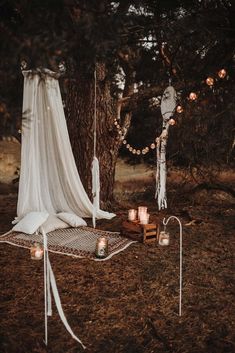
x=95, y=167
x=168, y=104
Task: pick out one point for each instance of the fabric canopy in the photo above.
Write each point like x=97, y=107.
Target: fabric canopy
x=49, y=180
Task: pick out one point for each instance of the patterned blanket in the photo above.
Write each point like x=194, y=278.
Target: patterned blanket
x=78, y=242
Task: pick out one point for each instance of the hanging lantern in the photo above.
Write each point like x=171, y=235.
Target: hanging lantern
x=172, y=121
x=124, y=142
x=193, y=96
x=130, y=148
x=210, y=81
x=36, y=251
x=143, y=151
x=138, y=152
x=179, y=109
x=134, y=151
x=222, y=73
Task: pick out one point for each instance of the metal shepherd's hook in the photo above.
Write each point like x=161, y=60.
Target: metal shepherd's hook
x=165, y=222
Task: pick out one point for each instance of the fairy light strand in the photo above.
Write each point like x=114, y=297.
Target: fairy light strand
x=210, y=81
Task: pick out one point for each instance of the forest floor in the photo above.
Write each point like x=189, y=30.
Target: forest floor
x=129, y=304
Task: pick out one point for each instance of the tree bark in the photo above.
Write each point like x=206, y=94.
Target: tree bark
x=80, y=108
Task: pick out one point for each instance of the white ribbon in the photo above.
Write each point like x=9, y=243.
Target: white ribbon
x=50, y=282
x=95, y=188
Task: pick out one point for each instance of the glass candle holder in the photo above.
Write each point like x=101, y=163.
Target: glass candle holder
x=36, y=251
x=101, y=250
x=164, y=238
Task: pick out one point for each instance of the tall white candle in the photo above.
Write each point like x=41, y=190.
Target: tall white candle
x=144, y=218
x=142, y=210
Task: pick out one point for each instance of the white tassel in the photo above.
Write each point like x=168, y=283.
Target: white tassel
x=168, y=104
x=161, y=171
x=95, y=188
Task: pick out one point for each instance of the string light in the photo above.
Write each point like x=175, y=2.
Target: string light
x=222, y=73
x=210, y=81
x=172, y=121
x=179, y=109
x=193, y=96
x=122, y=132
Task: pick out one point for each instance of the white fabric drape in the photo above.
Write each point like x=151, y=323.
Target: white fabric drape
x=49, y=180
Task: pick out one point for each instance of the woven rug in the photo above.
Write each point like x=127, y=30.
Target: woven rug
x=78, y=242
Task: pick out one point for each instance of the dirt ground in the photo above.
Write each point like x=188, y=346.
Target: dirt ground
x=129, y=304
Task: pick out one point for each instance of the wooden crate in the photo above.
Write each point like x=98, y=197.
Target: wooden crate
x=144, y=233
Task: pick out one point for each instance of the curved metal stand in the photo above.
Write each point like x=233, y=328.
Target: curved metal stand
x=165, y=222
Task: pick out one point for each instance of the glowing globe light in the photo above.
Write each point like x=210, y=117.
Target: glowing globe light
x=179, y=109
x=152, y=146
x=209, y=81
x=222, y=73
x=138, y=152
x=172, y=121
x=157, y=140
x=193, y=96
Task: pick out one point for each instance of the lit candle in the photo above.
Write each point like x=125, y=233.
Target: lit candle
x=144, y=218
x=164, y=238
x=132, y=215
x=36, y=252
x=101, y=250
x=142, y=210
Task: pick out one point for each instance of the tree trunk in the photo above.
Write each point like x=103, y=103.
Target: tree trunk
x=80, y=119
